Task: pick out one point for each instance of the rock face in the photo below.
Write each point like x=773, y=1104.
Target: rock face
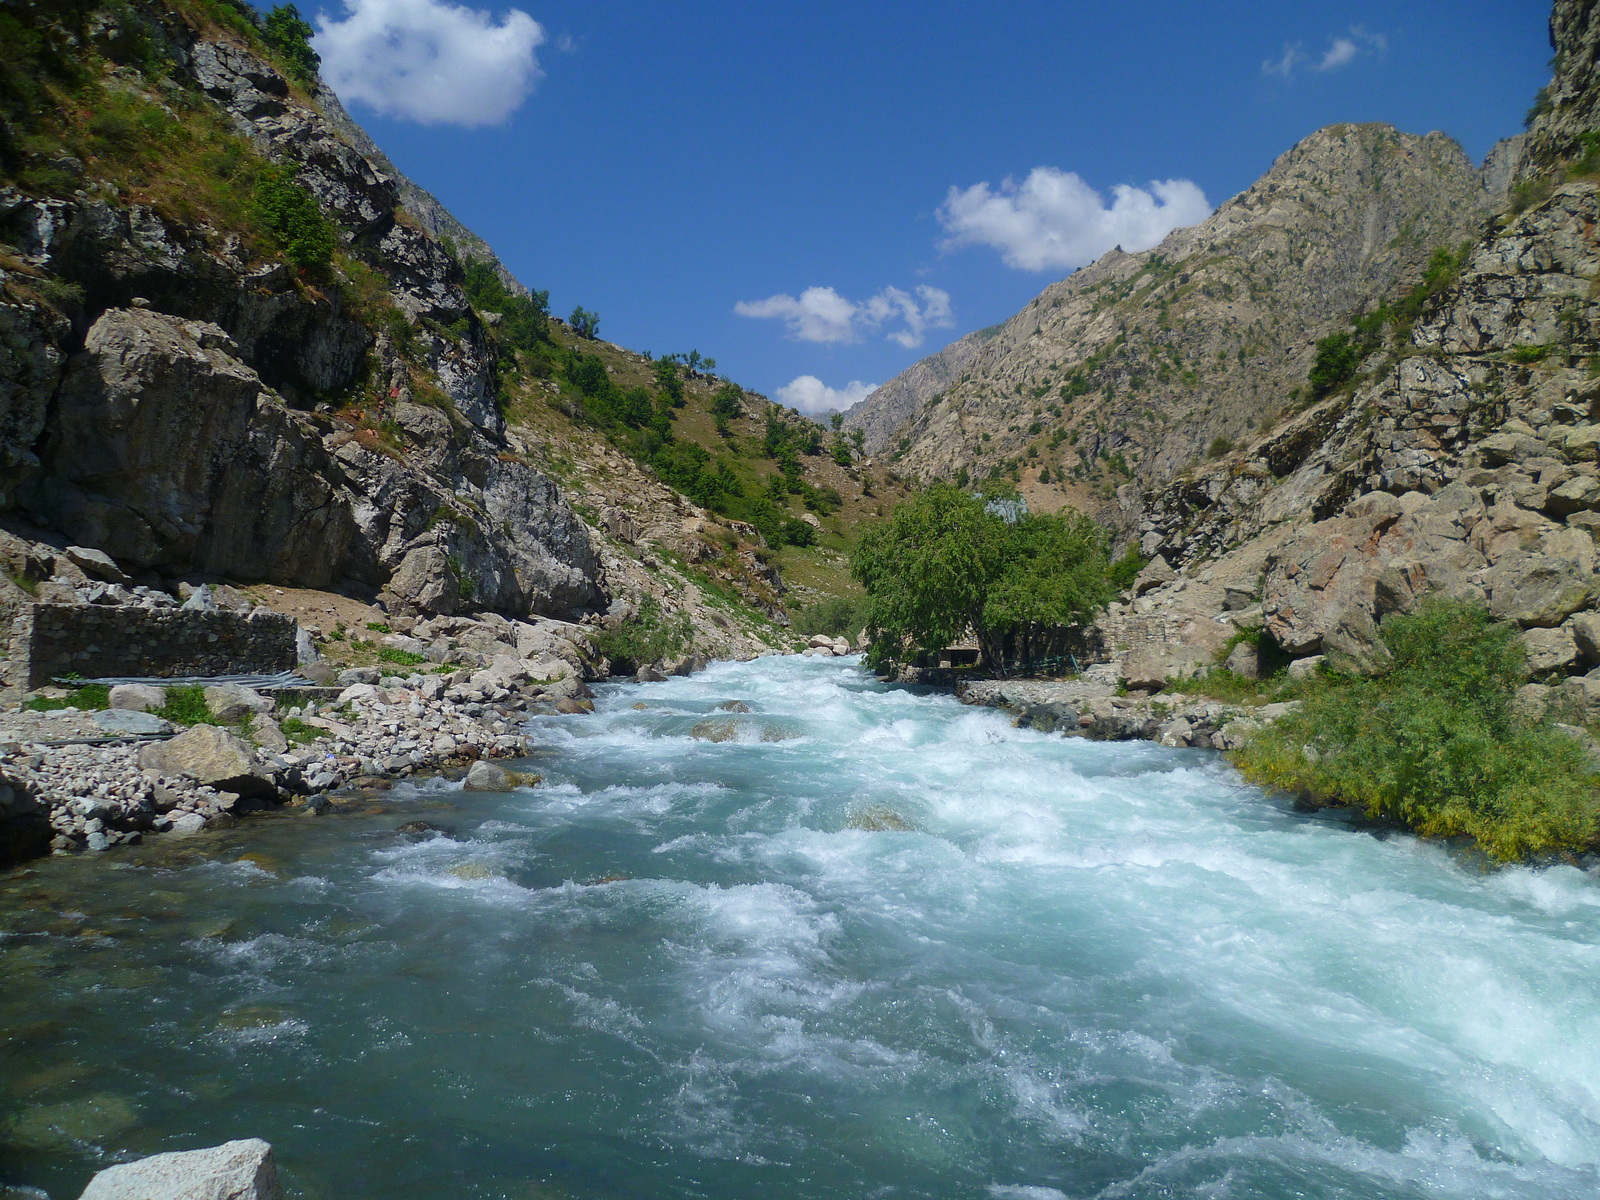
x=241, y=1170
x=882, y=412
x=1151, y=357
x=1466, y=466
x=176, y=411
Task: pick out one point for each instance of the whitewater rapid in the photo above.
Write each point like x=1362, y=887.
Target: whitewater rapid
x=868, y=943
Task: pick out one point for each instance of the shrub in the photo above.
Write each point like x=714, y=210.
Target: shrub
x=648, y=637
x=1334, y=364
x=1126, y=569
x=1432, y=743
x=585, y=323
x=290, y=214
x=836, y=616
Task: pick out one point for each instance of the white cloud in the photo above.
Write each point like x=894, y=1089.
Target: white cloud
x=1293, y=55
x=823, y=315
x=430, y=61
x=1054, y=220
x=820, y=315
x=1341, y=52
x=811, y=396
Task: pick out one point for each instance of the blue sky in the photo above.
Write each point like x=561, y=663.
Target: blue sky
x=662, y=164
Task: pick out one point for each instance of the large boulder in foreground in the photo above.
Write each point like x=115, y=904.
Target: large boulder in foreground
x=241, y=1170
x=213, y=757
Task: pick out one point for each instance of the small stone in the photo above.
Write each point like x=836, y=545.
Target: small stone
x=1304, y=668
x=359, y=675
x=187, y=823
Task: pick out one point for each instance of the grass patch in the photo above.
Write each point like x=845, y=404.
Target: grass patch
x=186, y=706
x=404, y=658
x=91, y=697
x=298, y=732
x=1232, y=688
x=1432, y=744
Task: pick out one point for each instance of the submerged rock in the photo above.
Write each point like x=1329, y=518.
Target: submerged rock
x=241, y=1170
x=877, y=818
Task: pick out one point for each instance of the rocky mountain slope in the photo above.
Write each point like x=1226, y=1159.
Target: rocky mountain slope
x=1135, y=367
x=1463, y=463
x=236, y=343
x=890, y=406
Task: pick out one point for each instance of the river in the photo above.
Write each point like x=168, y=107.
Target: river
x=875, y=944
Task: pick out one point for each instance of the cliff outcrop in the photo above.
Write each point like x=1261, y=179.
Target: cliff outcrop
x=180, y=392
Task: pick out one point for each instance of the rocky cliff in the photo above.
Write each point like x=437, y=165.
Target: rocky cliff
x=180, y=393
x=1134, y=368
x=1466, y=465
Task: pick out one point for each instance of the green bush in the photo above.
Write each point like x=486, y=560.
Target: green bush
x=1334, y=364
x=650, y=636
x=836, y=616
x=1432, y=743
x=1126, y=569
x=290, y=214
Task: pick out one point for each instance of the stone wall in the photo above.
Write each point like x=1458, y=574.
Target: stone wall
x=95, y=641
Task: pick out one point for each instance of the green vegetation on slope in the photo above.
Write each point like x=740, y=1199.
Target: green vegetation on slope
x=1433, y=743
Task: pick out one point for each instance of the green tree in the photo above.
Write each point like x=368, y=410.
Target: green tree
x=1334, y=364
x=727, y=401
x=944, y=565
x=584, y=323
x=289, y=37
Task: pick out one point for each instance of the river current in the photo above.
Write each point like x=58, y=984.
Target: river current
x=871, y=944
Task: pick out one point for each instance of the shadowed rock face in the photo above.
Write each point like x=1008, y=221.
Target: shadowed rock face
x=1467, y=467
x=169, y=421
x=1154, y=355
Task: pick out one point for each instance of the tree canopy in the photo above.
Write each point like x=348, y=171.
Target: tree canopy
x=945, y=563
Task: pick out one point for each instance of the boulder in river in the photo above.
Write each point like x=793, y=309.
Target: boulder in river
x=210, y=756
x=486, y=776
x=241, y=1170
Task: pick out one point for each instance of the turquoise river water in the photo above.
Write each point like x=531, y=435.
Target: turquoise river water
x=874, y=945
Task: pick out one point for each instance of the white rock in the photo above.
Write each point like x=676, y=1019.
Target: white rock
x=1302, y=668
x=241, y=1170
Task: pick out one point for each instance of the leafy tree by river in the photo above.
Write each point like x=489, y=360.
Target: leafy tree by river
x=946, y=562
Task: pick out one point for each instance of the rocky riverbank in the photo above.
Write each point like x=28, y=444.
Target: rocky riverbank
x=75, y=779
x=1094, y=707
